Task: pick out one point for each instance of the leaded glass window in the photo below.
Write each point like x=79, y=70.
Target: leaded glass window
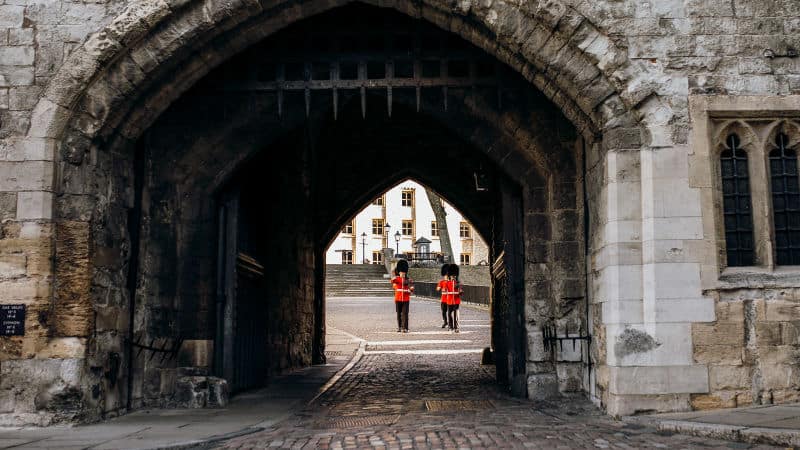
x=785, y=201
x=736, y=203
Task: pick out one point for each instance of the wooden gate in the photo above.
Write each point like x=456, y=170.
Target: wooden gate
x=242, y=346
x=508, y=285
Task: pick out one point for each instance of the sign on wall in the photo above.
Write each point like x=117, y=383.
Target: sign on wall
x=12, y=320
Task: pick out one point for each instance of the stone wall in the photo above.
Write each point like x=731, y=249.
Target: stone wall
x=752, y=349
x=80, y=81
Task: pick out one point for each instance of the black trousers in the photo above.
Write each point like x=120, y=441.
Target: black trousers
x=402, y=314
x=444, y=312
x=452, y=316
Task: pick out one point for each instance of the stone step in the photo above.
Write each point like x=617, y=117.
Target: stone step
x=356, y=280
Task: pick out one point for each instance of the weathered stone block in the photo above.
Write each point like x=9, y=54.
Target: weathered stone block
x=729, y=377
x=703, y=402
x=63, y=348
x=48, y=119
x=782, y=311
x=16, y=75
x=8, y=206
x=783, y=396
x=628, y=405
x=23, y=98
x=718, y=354
x=12, y=16
x=768, y=333
x=730, y=312
x=26, y=176
x=542, y=386
x=201, y=392
x=73, y=306
x=790, y=333
x=720, y=333
x=45, y=385
x=780, y=376
x=658, y=380
x=17, y=55
x=672, y=281
x=34, y=205
x=23, y=36
x=13, y=266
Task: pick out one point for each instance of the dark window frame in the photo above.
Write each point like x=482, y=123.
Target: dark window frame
x=785, y=195
x=737, y=204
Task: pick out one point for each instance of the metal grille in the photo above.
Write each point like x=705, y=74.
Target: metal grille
x=359, y=421
x=458, y=405
x=736, y=204
x=785, y=201
x=405, y=58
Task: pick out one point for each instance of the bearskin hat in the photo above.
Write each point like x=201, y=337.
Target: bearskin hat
x=452, y=270
x=445, y=269
x=402, y=266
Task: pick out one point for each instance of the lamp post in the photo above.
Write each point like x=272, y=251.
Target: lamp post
x=396, y=242
x=386, y=229
x=363, y=248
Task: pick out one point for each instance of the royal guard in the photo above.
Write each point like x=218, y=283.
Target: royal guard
x=403, y=287
x=453, y=292
x=442, y=287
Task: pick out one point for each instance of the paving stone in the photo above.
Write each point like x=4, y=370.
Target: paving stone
x=404, y=386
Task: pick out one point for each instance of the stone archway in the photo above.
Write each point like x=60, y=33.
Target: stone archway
x=126, y=76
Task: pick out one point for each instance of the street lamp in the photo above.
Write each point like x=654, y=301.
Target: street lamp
x=386, y=230
x=396, y=242
x=363, y=248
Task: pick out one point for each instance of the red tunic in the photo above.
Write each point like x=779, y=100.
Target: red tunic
x=403, y=287
x=453, y=291
x=442, y=287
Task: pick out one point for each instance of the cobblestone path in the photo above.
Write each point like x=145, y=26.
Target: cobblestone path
x=419, y=400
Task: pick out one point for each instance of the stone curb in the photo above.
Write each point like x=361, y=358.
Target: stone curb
x=362, y=345
x=751, y=435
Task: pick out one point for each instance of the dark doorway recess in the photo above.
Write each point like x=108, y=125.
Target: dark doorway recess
x=282, y=210
x=248, y=178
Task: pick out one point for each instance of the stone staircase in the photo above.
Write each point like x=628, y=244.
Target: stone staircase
x=357, y=280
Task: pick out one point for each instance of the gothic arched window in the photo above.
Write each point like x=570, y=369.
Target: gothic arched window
x=736, y=203
x=785, y=201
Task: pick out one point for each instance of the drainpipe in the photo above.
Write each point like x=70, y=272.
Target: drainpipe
x=134, y=230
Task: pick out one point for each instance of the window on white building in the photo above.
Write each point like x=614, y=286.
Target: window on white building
x=347, y=257
x=379, y=201
x=377, y=227
x=408, y=228
x=348, y=229
x=465, y=259
x=377, y=257
x=434, y=229
x=407, y=197
x=464, y=230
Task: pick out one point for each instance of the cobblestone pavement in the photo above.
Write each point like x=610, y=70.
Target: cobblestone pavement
x=431, y=396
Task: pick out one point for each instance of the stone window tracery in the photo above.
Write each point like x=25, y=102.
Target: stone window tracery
x=758, y=191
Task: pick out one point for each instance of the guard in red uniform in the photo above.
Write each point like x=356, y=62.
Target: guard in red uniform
x=403, y=287
x=454, y=291
x=441, y=287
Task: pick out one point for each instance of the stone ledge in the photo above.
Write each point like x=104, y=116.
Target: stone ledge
x=771, y=436
x=658, y=380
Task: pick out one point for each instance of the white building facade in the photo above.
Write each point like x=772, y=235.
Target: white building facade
x=396, y=220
